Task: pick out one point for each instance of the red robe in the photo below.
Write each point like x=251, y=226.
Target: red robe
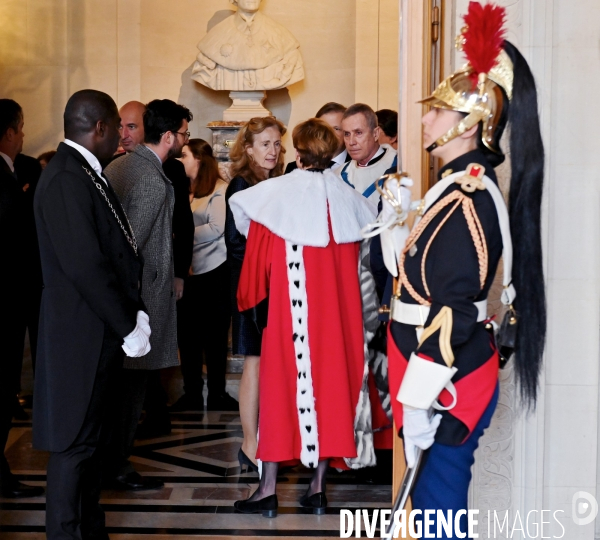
x=335, y=338
x=313, y=356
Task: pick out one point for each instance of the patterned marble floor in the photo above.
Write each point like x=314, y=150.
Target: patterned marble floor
x=198, y=463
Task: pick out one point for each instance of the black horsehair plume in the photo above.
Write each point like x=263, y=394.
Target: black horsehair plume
x=524, y=206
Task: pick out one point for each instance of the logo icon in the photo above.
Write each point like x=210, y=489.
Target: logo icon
x=585, y=508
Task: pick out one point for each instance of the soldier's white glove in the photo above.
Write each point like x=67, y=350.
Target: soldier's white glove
x=396, y=205
x=137, y=343
x=394, y=231
x=419, y=431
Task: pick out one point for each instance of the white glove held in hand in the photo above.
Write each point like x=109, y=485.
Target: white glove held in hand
x=419, y=432
x=394, y=210
x=137, y=343
x=389, y=210
x=393, y=234
x=143, y=321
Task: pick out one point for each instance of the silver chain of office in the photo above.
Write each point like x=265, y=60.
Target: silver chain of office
x=130, y=237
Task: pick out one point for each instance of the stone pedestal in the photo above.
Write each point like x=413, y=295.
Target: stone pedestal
x=223, y=137
x=246, y=105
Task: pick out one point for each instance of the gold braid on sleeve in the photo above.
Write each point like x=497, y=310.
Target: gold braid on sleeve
x=442, y=322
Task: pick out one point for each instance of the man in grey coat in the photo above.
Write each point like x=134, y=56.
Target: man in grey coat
x=148, y=198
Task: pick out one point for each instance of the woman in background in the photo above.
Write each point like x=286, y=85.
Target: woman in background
x=256, y=155
x=388, y=122
x=46, y=157
x=204, y=311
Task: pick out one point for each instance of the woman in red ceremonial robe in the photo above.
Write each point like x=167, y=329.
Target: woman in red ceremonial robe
x=300, y=284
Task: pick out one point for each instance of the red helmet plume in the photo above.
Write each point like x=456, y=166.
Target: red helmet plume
x=483, y=38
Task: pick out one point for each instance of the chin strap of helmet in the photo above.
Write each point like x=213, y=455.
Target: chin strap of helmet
x=479, y=112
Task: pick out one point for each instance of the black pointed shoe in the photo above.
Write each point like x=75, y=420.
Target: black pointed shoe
x=316, y=501
x=266, y=506
x=246, y=461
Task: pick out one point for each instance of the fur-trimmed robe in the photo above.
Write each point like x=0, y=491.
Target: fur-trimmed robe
x=301, y=270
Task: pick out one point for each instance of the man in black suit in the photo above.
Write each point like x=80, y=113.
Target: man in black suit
x=28, y=171
x=91, y=312
x=14, y=226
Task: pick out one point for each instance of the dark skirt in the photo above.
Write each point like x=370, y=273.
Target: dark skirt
x=245, y=337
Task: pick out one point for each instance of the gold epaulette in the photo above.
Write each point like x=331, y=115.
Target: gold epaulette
x=472, y=180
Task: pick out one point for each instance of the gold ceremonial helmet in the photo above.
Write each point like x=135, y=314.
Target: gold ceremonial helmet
x=478, y=95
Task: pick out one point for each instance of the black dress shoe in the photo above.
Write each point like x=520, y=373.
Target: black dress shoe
x=18, y=490
x=134, y=481
x=246, y=461
x=187, y=403
x=316, y=501
x=266, y=506
x=223, y=402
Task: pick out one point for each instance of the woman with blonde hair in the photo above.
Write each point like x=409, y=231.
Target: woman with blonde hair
x=256, y=155
x=300, y=283
x=204, y=312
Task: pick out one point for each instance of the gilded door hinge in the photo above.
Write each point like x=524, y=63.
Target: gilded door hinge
x=435, y=24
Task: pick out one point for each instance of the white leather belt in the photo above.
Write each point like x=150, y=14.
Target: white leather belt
x=416, y=314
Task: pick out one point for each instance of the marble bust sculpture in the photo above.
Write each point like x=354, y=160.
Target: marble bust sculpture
x=248, y=51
